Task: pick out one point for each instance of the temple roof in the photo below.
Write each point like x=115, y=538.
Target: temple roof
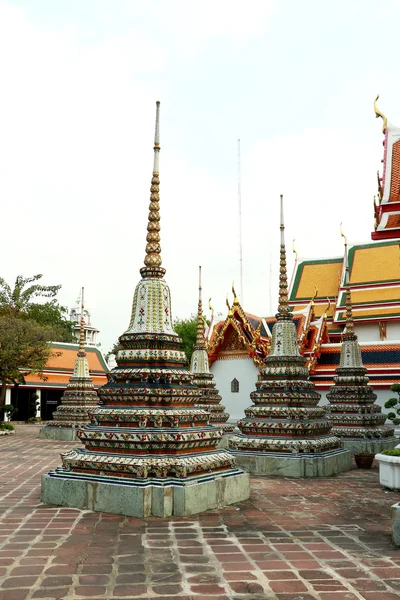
x=387, y=211
x=374, y=281
x=59, y=369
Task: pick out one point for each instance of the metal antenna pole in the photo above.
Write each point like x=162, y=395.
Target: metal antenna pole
x=240, y=223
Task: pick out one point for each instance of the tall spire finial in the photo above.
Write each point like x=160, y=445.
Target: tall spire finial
x=200, y=339
x=349, y=329
x=152, y=259
x=81, y=351
x=283, y=307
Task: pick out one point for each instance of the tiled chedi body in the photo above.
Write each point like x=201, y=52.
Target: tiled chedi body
x=147, y=434
x=285, y=420
x=210, y=399
x=355, y=417
x=79, y=397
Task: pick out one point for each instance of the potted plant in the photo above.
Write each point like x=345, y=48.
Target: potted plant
x=389, y=468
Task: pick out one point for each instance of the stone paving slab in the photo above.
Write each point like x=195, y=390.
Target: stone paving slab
x=326, y=539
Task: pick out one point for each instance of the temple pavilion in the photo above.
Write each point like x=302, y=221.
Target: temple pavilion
x=317, y=298
x=148, y=450
x=79, y=397
x=285, y=432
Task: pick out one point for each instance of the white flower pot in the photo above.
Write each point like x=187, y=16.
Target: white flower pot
x=389, y=471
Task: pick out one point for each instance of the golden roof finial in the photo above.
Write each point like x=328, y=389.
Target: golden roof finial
x=315, y=295
x=379, y=114
x=283, y=307
x=342, y=234
x=235, y=298
x=152, y=259
x=294, y=250
x=230, y=312
x=200, y=340
x=81, y=351
x=211, y=308
x=327, y=308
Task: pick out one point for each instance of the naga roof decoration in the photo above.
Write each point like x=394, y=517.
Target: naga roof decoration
x=387, y=209
x=147, y=427
x=354, y=415
x=211, y=400
x=80, y=396
x=284, y=417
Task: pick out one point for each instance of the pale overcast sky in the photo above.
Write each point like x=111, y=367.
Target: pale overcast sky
x=294, y=80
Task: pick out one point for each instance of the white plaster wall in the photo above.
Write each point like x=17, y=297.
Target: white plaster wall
x=393, y=330
x=367, y=332
x=246, y=373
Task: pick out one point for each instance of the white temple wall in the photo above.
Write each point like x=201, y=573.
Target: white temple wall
x=367, y=332
x=393, y=330
x=245, y=371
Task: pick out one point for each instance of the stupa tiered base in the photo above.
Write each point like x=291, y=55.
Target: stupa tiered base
x=368, y=446
x=289, y=464
x=64, y=434
x=139, y=497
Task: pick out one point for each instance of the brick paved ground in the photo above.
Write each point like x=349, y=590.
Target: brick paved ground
x=294, y=540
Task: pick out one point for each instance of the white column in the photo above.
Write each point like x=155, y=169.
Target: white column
x=38, y=406
x=7, y=401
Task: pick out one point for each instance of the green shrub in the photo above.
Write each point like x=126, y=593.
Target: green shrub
x=394, y=402
x=6, y=426
x=394, y=452
x=391, y=402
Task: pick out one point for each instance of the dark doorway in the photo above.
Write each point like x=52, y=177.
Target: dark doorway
x=50, y=399
x=20, y=399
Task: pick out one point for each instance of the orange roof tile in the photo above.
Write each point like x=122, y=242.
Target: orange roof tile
x=395, y=178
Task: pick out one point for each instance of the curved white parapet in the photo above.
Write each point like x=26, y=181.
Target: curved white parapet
x=389, y=471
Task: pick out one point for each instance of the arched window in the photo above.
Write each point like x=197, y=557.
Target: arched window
x=234, y=385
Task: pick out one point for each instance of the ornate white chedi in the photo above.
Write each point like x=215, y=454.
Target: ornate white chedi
x=149, y=450
x=79, y=397
x=285, y=432
x=211, y=400
x=357, y=420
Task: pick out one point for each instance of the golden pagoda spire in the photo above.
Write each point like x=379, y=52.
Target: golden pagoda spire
x=81, y=351
x=284, y=313
x=152, y=259
x=200, y=340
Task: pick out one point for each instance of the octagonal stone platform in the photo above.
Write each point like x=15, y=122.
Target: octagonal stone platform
x=144, y=498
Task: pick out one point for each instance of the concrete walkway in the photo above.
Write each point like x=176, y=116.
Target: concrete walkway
x=326, y=539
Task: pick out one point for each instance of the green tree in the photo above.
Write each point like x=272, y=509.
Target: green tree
x=53, y=315
x=392, y=403
x=20, y=301
x=187, y=330
x=16, y=301
x=23, y=348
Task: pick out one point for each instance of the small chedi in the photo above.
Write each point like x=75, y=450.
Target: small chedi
x=148, y=449
x=210, y=400
x=79, y=397
x=356, y=419
x=285, y=432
